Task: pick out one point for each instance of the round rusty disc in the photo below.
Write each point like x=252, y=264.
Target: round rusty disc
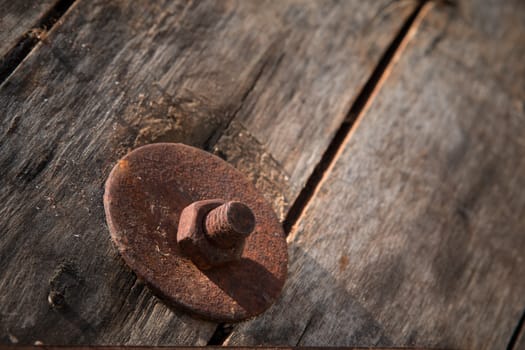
x=144, y=196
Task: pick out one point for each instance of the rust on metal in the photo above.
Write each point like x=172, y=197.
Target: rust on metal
x=212, y=232
x=229, y=224
x=197, y=231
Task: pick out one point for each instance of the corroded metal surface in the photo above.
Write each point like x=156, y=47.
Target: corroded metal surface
x=144, y=197
x=202, y=222
x=229, y=224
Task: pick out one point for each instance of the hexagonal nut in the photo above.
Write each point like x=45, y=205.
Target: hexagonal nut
x=192, y=239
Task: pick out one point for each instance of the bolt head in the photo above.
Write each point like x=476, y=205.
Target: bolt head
x=193, y=242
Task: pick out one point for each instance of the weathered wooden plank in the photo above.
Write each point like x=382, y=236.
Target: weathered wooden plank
x=280, y=129
x=416, y=236
x=520, y=341
x=117, y=75
x=17, y=19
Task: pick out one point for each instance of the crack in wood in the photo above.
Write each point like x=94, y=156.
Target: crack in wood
x=31, y=38
x=513, y=342
x=267, y=59
x=330, y=155
x=357, y=109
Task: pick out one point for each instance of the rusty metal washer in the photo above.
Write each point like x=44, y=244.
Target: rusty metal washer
x=144, y=197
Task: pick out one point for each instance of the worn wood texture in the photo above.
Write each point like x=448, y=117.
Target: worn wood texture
x=520, y=341
x=416, y=236
x=305, y=92
x=18, y=18
x=115, y=75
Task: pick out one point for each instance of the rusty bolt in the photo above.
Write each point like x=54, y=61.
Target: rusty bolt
x=212, y=232
x=229, y=224
x=145, y=196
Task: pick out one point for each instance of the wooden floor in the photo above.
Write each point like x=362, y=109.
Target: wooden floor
x=389, y=136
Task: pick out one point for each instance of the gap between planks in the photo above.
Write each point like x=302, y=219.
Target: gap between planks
x=14, y=57
x=354, y=116
x=519, y=332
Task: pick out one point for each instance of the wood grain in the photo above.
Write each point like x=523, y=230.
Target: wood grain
x=115, y=75
x=520, y=341
x=305, y=93
x=17, y=19
x=416, y=236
